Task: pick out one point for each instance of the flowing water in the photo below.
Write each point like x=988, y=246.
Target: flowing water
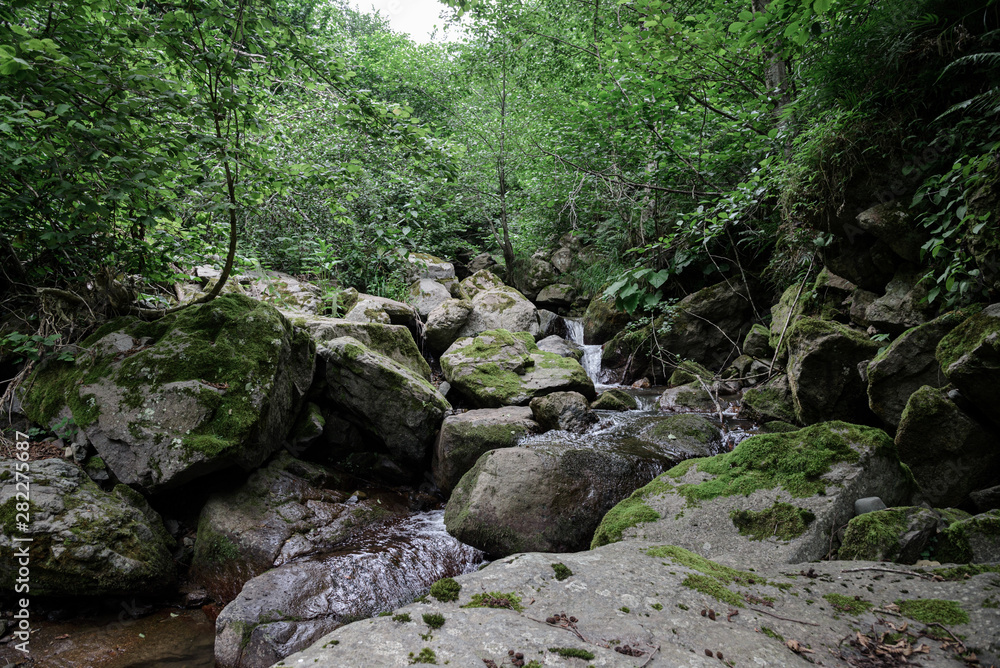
x=591, y=354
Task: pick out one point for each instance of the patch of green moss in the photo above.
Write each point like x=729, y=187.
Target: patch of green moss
x=873, y=536
x=426, y=655
x=562, y=571
x=762, y=403
x=496, y=599
x=933, y=610
x=402, y=618
x=953, y=542
x=433, y=620
x=685, y=425
x=847, y=604
x=615, y=400
x=445, y=590
x=772, y=634
x=714, y=578
x=794, y=462
x=782, y=520
x=625, y=515
x=712, y=587
x=966, y=571
x=964, y=338
x=8, y=514
x=572, y=653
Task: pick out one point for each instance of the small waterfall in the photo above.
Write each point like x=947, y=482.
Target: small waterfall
x=591, y=354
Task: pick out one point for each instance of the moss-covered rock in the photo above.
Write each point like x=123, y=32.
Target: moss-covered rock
x=399, y=407
x=466, y=436
x=426, y=266
x=426, y=294
x=501, y=308
x=970, y=357
x=500, y=368
x=562, y=347
x=904, y=304
x=566, y=411
x=689, y=397
x=615, y=400
x=481, y=281
x=974, y=540
x=771, y=401
x=758, y=342
x=949, y=452
x=823, y=359
x=702, y=504
x=199, y=390
x=394, y=341
x=689, y=372
x=894, y=534
x=906, y=365
x=602, y=321
x=83, y=541
x=533, y=274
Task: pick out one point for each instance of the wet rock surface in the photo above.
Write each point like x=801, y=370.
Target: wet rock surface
x=671, y=608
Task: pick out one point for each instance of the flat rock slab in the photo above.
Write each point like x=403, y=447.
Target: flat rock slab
x=643, y=596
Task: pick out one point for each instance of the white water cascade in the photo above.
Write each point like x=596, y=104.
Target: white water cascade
x=591, y=354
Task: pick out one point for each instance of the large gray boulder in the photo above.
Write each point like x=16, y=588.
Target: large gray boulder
x=284, y=511
x=288, y=608
x=498, y=368
x=906, y=365
x=556, y=296
x=78, y=539
x=501, y=308
x=900, y=535
x=950, y=453
x=445, y=322
x=398, y=406
x=970, y=357
x=466, y=436
x=547, y=497
x=284, y=291
x=370, y=308
x=708, y=322
x=566, y=411
x=481, y=281
x=770, y=401
x=973, y=540
x=903, y=305
x=163, y=403
x=426, y=295
x=823, y=359
x=562, y=347
x=394, y=341
x=533, y=274
x=602, y=321
x=426, y=266
x=776, y=498
x=635, y=604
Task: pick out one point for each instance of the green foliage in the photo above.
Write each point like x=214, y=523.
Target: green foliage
x=562, y=571
x=496, y=599
x=433, y=620
x=572, y=653
x=933, y=610
x=32, y=347
x=445, y=590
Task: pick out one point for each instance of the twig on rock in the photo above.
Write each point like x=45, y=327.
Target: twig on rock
x=889, y=570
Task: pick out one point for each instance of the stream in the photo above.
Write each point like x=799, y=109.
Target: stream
x=381, y=567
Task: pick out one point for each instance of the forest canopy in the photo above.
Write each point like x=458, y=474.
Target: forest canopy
x=684, y=140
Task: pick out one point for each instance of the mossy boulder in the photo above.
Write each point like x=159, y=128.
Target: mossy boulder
x=975, y=540
x=283, y=511
x=426, y=266
x=481, y=281
x=712, y=505
x=970, y=357
x=500, y=368
x=703, y=326
x=283, y=291
x=894, y=226
x=823, y=359
x=894, y=534
x=501, y=308
x=399, y=407
x=83, y=541
x=602, y=321
x=557, y=296
x=466, y=436
x=689, y=372
x=205, y=388
x=949, y=452
x=445, y=322
x=689, y=397
x=771, y=401
x=615, y=400
x=566, y=411
x=370, y=308
x=682, y=436
x=546, y=497
x=426, y=294
x=533, y=274
x=758, y=342
x=394, y=341
x=906, y=365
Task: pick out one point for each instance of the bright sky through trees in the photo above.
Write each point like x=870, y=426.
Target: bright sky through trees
x=416, y=17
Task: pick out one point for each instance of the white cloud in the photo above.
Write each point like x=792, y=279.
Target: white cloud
x=416, y=17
